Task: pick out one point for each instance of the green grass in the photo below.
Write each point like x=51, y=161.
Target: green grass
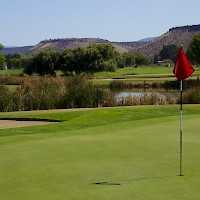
x=11, y=72
x=131, y=72
x=147, y=73
x=134, y=149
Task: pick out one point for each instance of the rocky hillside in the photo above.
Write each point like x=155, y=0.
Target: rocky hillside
x=178, y=36
x=130, y=46
x=12, y=50
x=70, y=43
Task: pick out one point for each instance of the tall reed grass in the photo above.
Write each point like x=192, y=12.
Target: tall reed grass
x=39, y=93
x=192, y=96
x=146, y=99
x=11, y=80
x=83, y=93
x=7, y=99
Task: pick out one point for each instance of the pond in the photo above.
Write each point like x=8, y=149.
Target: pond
x=139, y=93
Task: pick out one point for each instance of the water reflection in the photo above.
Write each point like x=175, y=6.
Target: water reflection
x=133, y=93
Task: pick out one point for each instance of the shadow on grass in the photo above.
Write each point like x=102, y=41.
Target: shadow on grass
x=149, y=178
x=133, y=179
x=29, y=119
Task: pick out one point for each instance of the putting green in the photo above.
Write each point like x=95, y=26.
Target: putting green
x=114, y=153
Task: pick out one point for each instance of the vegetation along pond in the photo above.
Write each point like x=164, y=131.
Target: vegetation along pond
x=165, y=95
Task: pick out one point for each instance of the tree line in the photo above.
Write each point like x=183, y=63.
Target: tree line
x=42, y=93
x=94, y=58
x=2, y=58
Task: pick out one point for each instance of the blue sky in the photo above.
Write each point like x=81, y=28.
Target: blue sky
x=27, y=22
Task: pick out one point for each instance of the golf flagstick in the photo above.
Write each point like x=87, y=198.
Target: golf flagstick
x=182, y=70
x=181, y=128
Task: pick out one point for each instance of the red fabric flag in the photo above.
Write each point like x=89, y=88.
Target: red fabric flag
x=182, y=68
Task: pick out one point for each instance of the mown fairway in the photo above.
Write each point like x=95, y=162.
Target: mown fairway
x=135, y=150
x=154, y=71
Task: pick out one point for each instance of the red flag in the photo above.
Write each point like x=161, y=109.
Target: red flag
x=182, y=68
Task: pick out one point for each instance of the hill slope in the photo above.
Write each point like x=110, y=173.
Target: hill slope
x=70, y=43
x=178, y=36
x=12, y=50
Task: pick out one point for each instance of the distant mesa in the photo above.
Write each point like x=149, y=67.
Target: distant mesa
x=178, y=35
x=13, y=50
x=147, y=39
x=148, y=46
x=70, y=43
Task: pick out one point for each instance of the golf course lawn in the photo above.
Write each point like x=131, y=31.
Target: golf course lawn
x=122, y=153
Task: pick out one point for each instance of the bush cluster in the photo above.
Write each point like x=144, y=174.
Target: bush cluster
x=82, y=93
x=10, y=80
x=39, y=93
x=173, y=85
x=7, y=99
x=192, y=96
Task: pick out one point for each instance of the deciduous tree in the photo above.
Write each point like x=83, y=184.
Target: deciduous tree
x=193, y=51
x=1, y=47
x=168, y=52
x=2, y=58
x=42, y=63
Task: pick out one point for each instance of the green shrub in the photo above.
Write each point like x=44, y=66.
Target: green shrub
x=7, y=102
x=11, y=80
x=41, y=93
x=85, y=94
x=116, y=84
x=192, y=96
